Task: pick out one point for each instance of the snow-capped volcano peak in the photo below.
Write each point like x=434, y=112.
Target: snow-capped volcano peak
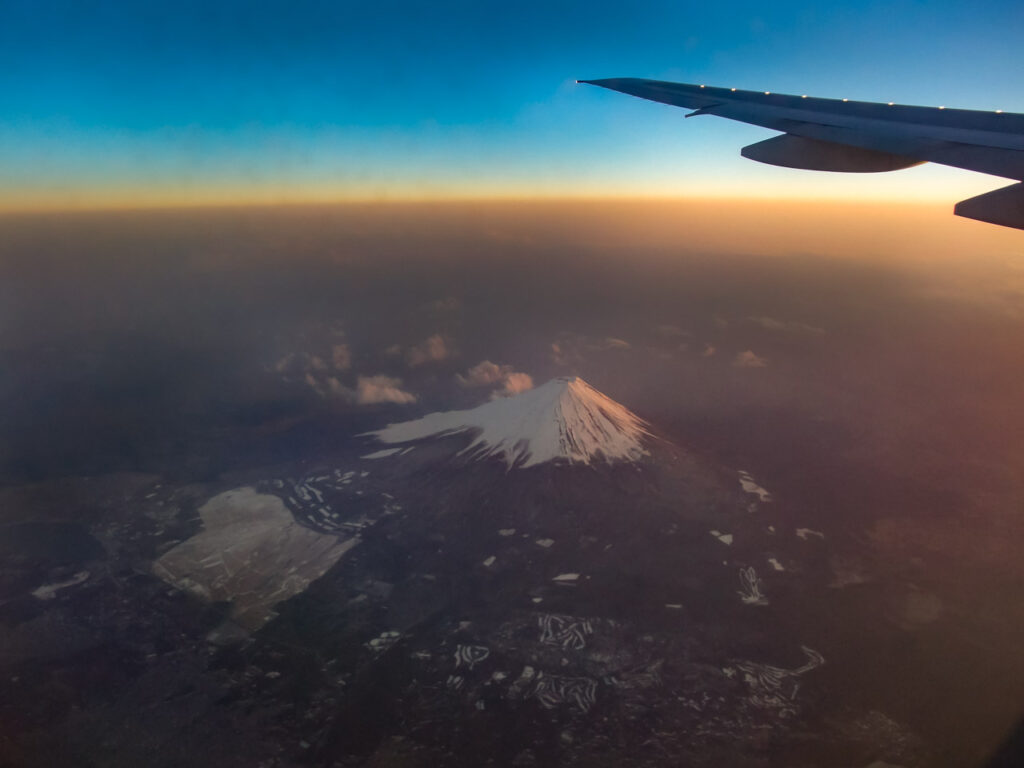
x=565, y=419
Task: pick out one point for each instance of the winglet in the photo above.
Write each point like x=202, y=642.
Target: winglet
x=1004, y=206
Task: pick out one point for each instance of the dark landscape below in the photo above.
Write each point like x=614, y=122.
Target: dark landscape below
x=817, y=563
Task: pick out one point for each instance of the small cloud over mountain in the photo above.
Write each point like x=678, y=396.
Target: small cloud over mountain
x=569, y=348
x=445, y=306
x=341, y=357
x=560, y=355
x=369, y=390
x=288, y=365
x=672, y=331
x=483, y=374
x=748, y=359
x=381, y=389
x=296, y=365
x=514, y=384
x=486, y=374
x=313, y=383
x=430, y=350
x=336, y=389
x=786, y=326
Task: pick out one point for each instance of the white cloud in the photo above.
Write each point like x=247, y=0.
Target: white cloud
x=486, y=374
x=569, y=349
x=315, y=385
x=446, y=305
x=482, y=374
x=513, y=385
x=748, y=359
x=307, y=366
x=341, y=357
x=430, y=350
x=369, y=389
x=786, y=326
x=329, y=386
x=558, y=355
x=672, y=331
x=381, y=389
x=338, y=389
x=286, y=364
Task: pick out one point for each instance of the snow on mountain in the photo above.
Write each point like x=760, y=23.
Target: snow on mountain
x=565, y=419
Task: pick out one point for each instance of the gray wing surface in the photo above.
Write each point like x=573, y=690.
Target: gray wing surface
x=864, y=137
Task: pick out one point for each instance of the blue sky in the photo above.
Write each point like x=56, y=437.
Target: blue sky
x=286, y=100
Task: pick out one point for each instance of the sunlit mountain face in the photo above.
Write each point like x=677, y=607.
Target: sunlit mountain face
x=563, y=420
x=523, y=484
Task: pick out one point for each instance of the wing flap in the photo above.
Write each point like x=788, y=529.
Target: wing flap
x=792, y=151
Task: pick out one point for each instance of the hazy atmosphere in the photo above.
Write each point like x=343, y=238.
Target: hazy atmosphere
x=876, y=396
x=373, y=393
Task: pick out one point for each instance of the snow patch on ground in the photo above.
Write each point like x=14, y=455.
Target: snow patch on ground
x=49, y=591
x=252, y=553
x=747, y=484
x=805, y=533
x=383, y=641
x=750, y=592
x=382, y=454
x=725, y=538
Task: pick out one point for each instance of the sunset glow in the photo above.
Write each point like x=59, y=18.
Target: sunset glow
x=113, y=107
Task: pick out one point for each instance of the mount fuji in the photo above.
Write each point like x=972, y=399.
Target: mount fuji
x=564, y=420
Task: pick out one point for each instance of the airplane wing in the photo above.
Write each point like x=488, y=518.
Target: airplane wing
x=864, y=137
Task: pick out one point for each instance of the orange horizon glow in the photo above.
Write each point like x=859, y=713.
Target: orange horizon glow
x=903, y=232
x=924, y=185
x=22, y=203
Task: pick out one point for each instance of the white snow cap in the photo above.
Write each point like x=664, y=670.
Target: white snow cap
x=564, y=419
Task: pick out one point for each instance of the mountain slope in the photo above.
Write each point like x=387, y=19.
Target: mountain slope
x=565, y=419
